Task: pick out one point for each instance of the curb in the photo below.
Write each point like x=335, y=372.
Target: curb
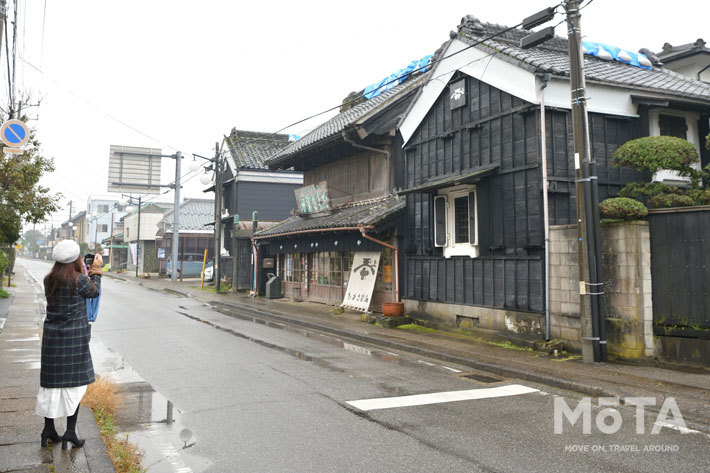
x=228, y=308
x=224, y=307
x=260, y=314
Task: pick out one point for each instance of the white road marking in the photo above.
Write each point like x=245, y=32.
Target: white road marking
x=451, y=369
x=436, y=398
x=425, y=363
x=682, y=430
x=357, y=349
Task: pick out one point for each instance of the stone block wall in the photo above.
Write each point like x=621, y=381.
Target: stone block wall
x=626, y=259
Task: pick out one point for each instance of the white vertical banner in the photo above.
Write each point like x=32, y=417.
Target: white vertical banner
x=363, y=275
x=134, y=251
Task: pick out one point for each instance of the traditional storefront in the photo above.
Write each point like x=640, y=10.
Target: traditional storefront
x=314, y=256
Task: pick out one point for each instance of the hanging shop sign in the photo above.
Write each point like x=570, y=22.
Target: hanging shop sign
x=313, y=199
x=361, y=284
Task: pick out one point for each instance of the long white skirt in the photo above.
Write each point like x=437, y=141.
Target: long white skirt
x=58, y=402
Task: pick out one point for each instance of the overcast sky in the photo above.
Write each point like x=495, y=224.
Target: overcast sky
x=178, y=75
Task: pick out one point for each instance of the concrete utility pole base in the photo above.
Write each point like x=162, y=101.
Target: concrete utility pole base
x=588, y=352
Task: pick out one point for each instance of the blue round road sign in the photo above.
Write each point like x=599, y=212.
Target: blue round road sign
x=14, y=133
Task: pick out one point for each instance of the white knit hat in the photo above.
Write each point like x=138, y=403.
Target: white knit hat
x=66, y=251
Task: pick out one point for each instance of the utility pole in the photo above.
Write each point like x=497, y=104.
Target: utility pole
x=218, y=217
x=110, y=255
x=235, y=254
x=176, y=216
x=585, y=247
x=70, y=212
x=3, y=13
x=138, y=237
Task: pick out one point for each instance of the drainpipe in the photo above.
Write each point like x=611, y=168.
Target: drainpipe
x=366, y=148
x=701, y=71
x=396, y=260
x=545, y=79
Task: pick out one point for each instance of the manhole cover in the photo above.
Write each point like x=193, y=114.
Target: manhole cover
x=481, y=377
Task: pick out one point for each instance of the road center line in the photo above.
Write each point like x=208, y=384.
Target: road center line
x=436, y=398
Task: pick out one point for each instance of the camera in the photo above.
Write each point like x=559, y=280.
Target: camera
x=88, y=260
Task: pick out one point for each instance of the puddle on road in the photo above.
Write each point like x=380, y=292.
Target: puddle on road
x=148, y=418
x=376, y=353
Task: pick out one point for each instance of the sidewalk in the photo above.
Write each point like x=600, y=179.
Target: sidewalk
x=20, y=325
x=689, y=387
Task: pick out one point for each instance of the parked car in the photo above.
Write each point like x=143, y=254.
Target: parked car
x=189, y=266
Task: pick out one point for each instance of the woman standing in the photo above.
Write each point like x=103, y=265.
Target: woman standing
x=66, y=369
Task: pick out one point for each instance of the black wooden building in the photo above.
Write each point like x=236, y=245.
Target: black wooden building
x=249, y=186
x=472, y=163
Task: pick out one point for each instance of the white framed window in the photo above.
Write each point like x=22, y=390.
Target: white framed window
x=456, y=221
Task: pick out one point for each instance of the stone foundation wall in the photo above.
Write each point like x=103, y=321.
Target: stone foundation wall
x=467, y=316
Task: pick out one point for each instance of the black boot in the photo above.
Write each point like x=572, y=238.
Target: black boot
x=49, y=432
x=70, y=434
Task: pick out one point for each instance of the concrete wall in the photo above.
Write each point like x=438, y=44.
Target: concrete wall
x=626, y=258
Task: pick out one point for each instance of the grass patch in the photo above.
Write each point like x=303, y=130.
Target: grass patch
x=510, y=346
x=572, y=357
x=223, y=288
x=4, y=294
x=417, y=328
x=103, y=399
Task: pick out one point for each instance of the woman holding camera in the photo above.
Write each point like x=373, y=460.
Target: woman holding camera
x=66, y=368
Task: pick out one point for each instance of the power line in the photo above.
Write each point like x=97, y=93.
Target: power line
x=95, y=107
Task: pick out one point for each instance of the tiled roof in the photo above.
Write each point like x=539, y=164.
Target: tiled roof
x=552, y=57
x=671, y=53
x=249, y=149
x=194, y=215
x=369, y=212
x=341, y=121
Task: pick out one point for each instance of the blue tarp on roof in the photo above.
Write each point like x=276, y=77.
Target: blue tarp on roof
x=604, y=51
x=396, y=78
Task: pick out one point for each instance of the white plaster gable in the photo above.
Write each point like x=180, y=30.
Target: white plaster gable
x=515, y=80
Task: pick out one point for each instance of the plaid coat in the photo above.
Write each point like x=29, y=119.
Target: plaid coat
x=66, y=359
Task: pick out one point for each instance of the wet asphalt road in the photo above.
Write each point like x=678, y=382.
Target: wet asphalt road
x=264, y=399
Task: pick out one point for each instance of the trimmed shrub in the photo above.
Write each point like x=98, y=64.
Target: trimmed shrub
x=623, y=208
x=670, y=200
x=699, y=196
x=634, y=190
x=653, y=153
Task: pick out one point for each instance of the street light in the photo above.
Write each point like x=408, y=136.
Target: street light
x=205, y=178
x=194, y=165
x=216, y=165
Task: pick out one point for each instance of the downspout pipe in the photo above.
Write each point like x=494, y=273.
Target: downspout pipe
x=366, y=148
x=363, y=231
x=545, y=79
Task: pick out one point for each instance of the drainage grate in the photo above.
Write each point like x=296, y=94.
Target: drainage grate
x=481, y=377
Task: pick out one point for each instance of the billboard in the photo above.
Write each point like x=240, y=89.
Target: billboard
x=134, y=170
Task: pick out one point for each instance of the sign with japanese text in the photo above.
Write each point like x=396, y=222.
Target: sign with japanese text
x=313, y=199
x=363, y=275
